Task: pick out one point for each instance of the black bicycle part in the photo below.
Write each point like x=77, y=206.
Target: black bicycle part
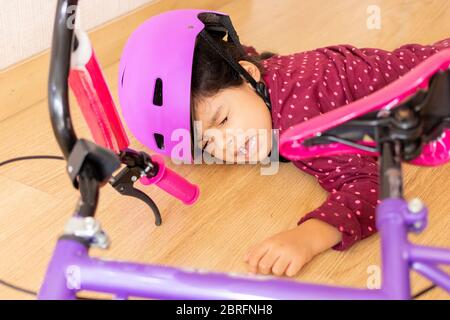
x=86, y=153
x=391, y=178
x=58, y=94
x=138, y=164
x=89, y=165
x=415, y=122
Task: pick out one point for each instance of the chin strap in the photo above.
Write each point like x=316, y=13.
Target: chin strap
x=225, y=23
x=261, y=89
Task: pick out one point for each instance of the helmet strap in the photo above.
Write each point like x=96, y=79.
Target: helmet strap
x=259, y=87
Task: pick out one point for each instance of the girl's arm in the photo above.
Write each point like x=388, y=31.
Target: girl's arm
x=365, y=70
x=347, y=216
x=352, y=181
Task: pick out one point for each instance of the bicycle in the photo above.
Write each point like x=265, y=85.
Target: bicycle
x=408, y=120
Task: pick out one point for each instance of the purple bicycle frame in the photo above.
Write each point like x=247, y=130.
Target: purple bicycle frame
x=72, y=270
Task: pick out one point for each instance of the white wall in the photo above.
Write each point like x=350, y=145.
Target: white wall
x=25, y=25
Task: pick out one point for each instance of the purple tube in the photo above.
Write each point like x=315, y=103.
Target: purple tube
x=436, y=275
x=160, y=282
x=394, y=248
x=55, y=285
x=72, y=270
x=428, y=254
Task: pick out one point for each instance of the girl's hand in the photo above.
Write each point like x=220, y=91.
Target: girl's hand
x=287, y=252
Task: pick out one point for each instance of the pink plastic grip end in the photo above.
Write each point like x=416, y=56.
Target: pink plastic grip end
x=172, y=183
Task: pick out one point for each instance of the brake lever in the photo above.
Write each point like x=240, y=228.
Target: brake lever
x=124, y=181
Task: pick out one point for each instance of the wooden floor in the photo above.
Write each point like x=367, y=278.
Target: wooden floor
x=238, y=207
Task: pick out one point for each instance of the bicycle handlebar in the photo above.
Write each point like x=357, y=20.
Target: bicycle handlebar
x=58, y=92
x=58, y=100
x=172, y=183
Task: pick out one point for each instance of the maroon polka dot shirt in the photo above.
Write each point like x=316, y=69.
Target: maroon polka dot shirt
x=307, y=84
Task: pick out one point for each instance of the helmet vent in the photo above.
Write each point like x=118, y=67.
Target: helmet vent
x=159, y=139
x=158, y=94
x=123, y=76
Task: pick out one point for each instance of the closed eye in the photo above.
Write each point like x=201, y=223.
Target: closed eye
x=224, y=121
x=220, y=124
x=204, y=147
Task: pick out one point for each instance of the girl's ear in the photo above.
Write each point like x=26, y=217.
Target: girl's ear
x=251, y=69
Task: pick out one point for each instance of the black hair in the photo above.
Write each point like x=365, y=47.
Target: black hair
x=211, y=73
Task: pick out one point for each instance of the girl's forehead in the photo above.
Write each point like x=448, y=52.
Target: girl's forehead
x=207, y=106
x=204, y=108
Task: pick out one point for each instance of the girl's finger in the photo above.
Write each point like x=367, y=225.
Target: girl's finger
x=266, y=262
x=294, y=267
x=251, y=251
x=255, y=255
x=281, y=265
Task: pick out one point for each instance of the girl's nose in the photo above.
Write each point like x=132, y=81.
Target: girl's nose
x=230, y=143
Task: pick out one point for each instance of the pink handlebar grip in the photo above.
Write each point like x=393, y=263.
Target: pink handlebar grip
x=172, y=183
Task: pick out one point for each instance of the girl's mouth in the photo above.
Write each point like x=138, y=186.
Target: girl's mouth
x=248, y=148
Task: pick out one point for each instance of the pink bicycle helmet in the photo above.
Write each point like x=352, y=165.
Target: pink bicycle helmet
x=155, y=77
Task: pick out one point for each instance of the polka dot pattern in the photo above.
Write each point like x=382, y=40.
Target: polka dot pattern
x=307, y=84
x=351, y=204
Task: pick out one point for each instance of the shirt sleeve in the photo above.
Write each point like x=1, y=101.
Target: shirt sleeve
x=305, y=85
x=352, y=181
x=378, y=67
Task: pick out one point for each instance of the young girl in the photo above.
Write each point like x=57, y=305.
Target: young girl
x=177, y=68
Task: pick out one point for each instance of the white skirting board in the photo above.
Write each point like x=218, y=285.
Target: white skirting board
x=26, y=25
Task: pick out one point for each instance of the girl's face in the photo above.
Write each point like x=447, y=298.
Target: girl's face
x=235, y=123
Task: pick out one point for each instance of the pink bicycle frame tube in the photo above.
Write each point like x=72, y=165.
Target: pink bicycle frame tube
x=96, y=103
x=434, y=153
